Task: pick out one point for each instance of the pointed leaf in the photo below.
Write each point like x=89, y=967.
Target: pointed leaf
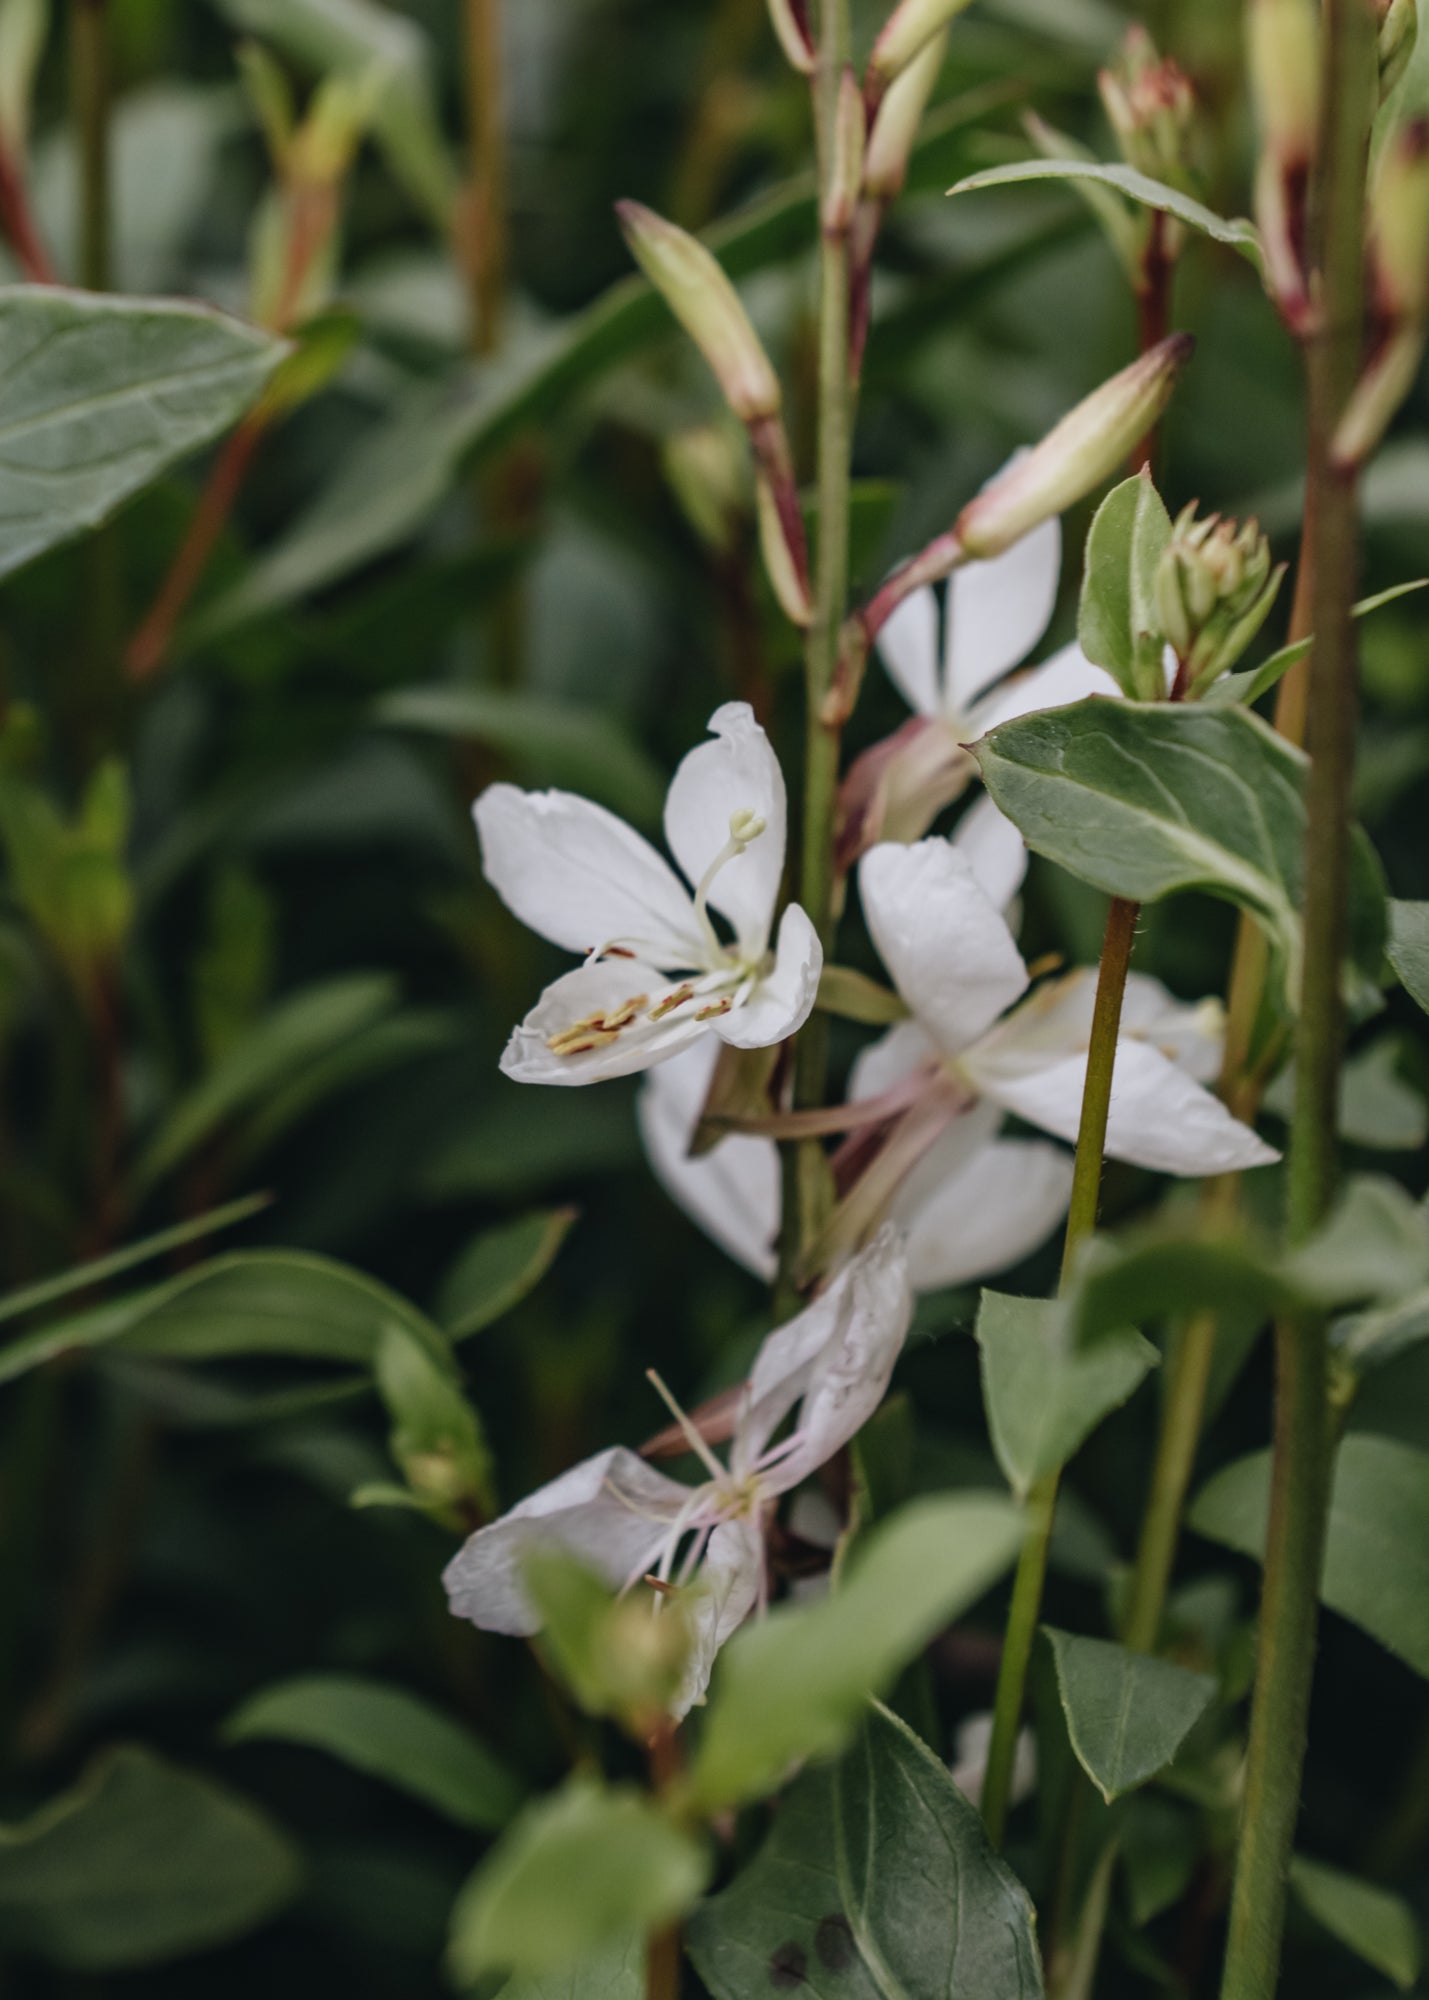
x=615, y=1972
x=1117, y=621
x=1127, y=1714
x=498, y=1268
x=1408, y=948
x=1237, y=232
x=1378, y=1927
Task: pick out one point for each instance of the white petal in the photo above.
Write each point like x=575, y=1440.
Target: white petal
x=1068, y=676
x=968, y=1136
x=947, y=949
x=884, y=1063
x=1004, y=1204
x=613, y=1511
x=969, y=1767
x=579, y=876
x=993, y=849
x=908, y=647
x=738, y=772
x=1159, y=1117
x=727, y=1590
x=784, y=998
x=834, y=1360
x=1057, y=1021
x=601, y=990
x=733, y=1192
x=997, y=611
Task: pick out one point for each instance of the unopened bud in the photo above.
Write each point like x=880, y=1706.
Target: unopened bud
x=1283, y=50
x=1399, y=224
x=707, y=306
x=1077, y=455
x=342, y=109
x=895, y=125
x=271, y=96
x=906, y=32
x=846, y=165
x=1152, y=108
x=708, y=469
x=1214, y=587
x=23, y=27
x=784, y=561
x=791, y=25
x=1398, y=32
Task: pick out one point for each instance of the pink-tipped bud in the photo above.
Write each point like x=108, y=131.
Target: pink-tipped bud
x=906, y=32
x=1151, y=106
x=791, y=25
x=707, y=306
x=895, y=126
x=1399, y=224
x=782, y=562
x=1283, y=57
x=1082, y=451
x=846, y=165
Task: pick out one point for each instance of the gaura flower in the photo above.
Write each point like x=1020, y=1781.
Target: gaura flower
x=627, y=1520
x=733, y=1191
x=970, y=1051
x=584, y=879
x=991, y=616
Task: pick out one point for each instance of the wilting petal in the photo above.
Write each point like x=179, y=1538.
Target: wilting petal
x=897, y=788
x=997, y=611
x=614, y=1512
x=947, y=949
x=595, y=995
x=1002, y=1205
x=728, y=1588
x=908, y=646
x=784, y=998
x=1159, y=1117
x=834, y=1360
x=1068, y=676
x=738, y=772
x=993, y=849
x=579, y=876
x=733, y=1192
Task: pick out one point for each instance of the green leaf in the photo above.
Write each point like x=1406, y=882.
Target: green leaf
x=1377, y=1108
x=551, y=742
x=932, y=1908
x=140, y=1862
x=101, y=395
x=390, y=1734
x=1159, y=1850
x=1377, y=1553
x=254, y=1302
x=1408, y=948
x=1237, y=232
x=1043, y=1395
x=499, y=1268
x=619, y=1654
x=1145, y=799
x=1370, y=1340
x=793, y=1684
x=576, y=1871
x=1374, y=1244
x=1378, y=1927
x=1256, y=681
x=1117, y=621
x=1127, y=1713
x=437, y=1438
x=824, y=1911
x=615, y=1972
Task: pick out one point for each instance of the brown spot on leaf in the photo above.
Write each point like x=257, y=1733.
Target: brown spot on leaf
x=788, y=1967
x=833, y=1942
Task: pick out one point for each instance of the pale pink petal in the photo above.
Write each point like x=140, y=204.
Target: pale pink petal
x=897, y=788
x=997, y=611
x=738, y=772
x=908, y=647
x=725, y=1591
x=614, y=1512
x=967, y=1136
x=886, y=1062
x=1057, y=1021
x=947, y=949
x=579, y=876
x=1002, y=1205
x=597, y=993
x=732, y=1192
x=1067, y=677
x=784, y=998
x=993, y=849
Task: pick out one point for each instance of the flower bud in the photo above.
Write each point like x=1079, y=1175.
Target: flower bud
x=791, y=25
x=895, y=125
x=1398, y=32
x=846, y=166
x=1077, y=455
x=1399, y=224
x=906, y=32
x=1152, y=108
x=271, y=96
x=1283, y=48
x=23, y=27
x=1213, y=589
x=707, y=306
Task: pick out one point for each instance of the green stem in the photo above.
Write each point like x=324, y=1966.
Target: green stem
x=1026, y=1605
x=1302, y=1455
x=803, y=1166
x=89, y=69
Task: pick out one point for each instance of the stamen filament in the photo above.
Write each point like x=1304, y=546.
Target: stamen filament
x=691, y=1435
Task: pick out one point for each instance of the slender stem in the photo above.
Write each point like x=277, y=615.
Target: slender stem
x=1153, y=315
x=1042, y=1500
x=486, y=247
x=821, y=760
x=17, y=222
x=1302, y=1454
x=89, y=64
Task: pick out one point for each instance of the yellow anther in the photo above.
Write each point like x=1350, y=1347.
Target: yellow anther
x=671, y=1001
x=715, y=1009
x=597, y=1030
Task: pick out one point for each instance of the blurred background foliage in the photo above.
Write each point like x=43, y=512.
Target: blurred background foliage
x=245, y=946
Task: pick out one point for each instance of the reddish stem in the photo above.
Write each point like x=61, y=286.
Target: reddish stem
x=17, y=222
x=1153, y=317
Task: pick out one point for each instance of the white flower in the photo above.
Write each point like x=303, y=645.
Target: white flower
x=733, y=1191
x=969, y=1765
x=627, y=1520
x=582, y=878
